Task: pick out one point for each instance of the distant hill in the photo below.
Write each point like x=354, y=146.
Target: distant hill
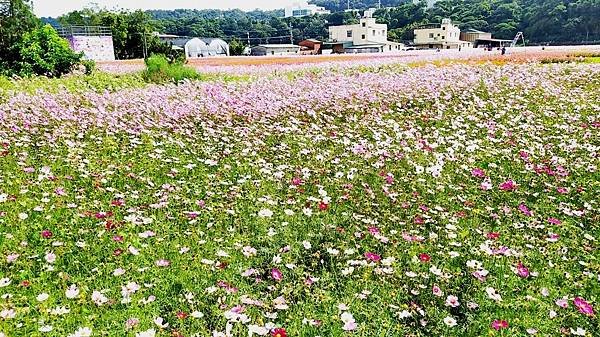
x=341, y=5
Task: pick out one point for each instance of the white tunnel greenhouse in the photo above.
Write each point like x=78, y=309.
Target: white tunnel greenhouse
x=196, y=48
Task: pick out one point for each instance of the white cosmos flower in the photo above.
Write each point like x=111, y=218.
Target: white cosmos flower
x=98, y=298
x=45, y=328
x=160, y=322
x=265, y=213
x=4, y=282
x=147, y=333
x=491, y=292
x=42, y=297
x=449, y=321
x=72, y=291
x=133, y=250
x=259, y=330
x=8, y=313
x=197, y=314
x=82, y=332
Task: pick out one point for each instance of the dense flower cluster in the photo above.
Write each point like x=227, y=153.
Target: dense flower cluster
x=459, y=201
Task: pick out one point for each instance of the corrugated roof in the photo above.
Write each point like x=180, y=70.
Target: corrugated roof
x=278, y=45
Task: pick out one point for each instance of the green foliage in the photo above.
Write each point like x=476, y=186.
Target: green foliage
x=236, y=47
x=43, y=52
x=557, y=21
x=132, y=31
x=89, y=66
x=160, y=70
x=16, y=19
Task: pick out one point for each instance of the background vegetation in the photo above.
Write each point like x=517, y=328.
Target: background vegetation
x=28, y=48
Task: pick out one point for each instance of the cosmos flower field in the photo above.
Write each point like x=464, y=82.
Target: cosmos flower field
x=360, y=200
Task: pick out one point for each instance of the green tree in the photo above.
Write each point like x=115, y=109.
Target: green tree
x=236, y=47
x=43, y=52
x=16, y=19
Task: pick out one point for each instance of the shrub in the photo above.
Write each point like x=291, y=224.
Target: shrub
x=89, y=65
x=43, y=52
x=160, y=70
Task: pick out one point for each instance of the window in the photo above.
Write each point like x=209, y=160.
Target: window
x=443, y=37
x=431, y=35
x=364, y=24
x=443, y=28
x=349, y=33
x=383, y=32
x=373, y=32
x=363, y=36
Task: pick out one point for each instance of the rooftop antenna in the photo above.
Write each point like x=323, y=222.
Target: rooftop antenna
x=348, y=4
x=379, y=5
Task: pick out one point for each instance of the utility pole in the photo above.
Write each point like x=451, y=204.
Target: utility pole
x=248, y=33
x=291, y=35
x=145, y=51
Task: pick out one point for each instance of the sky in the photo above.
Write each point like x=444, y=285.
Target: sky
x=55, y=8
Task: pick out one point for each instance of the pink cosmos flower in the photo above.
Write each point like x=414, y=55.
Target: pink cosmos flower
x=478, y=173
x=486, y=185
x=163, y=263
x=296, y=181
x=374, y=230
x=389, y=179
x=276, y=274
x=522, y=271
x=499, y=324
x=452, y=301
x=562, y=303
x=554, y=221
x=437, y=291
x=523, y=208
x=508, y=186
x=372, y=257
x=583, y=306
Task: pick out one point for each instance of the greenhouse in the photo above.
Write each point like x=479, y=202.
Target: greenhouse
x=196, y=48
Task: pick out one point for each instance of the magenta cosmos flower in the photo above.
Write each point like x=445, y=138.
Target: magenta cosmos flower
x=372, y=257
x=508, y=185
x=499, y=324
x=583, y=306
x=478, y=173
x=522, y=271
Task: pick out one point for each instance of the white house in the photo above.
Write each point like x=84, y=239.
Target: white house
x=300, y=9
x=367, y=33
x=442, y=36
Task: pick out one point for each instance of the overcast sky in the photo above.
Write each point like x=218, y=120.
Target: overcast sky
x=57, y=7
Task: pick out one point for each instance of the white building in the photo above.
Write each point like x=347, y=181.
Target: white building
x=367, y=33
x=442, y=36
x=275, y=49
x=300, y=9
x=430, y=3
